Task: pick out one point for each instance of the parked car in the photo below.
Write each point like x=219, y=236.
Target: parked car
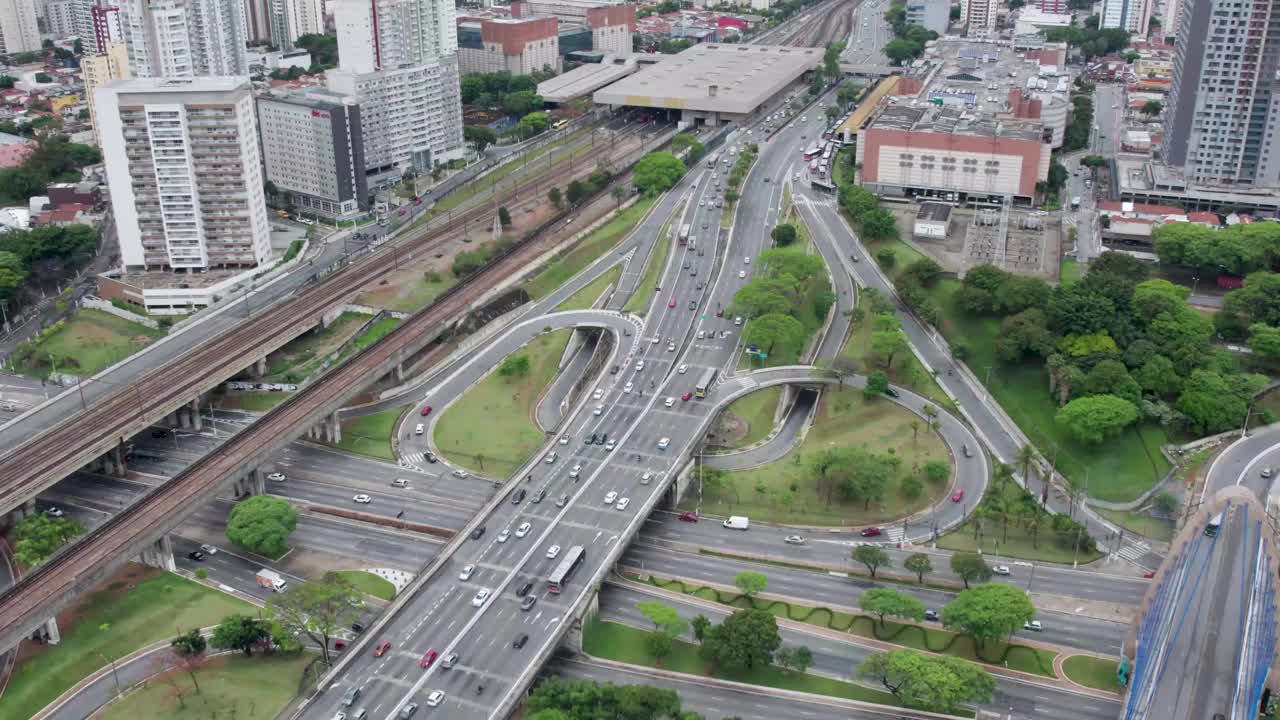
x=1000, y=569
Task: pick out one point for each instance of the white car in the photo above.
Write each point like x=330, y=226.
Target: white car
x=419, y=429
x=669, y=402
x=664, y=443
x=553, y=552
x=599, y=393
x=1000, y=569
x=276, y=477
x=737, y=322
x=564, y=439
x=53, y=511
x=1266, y=472
x=1032, y=625
x=609, y=446
x=608, y=499
x=523, y=530
x=655, y=340
x=746, y=260
x=435, y=698
x=209, y=549
x=702, y=334
x=742, y=274
x=646, y=477
x=623, y=503
x=576, y=471
x=363, y=499
x=599, y=409
x=639, y=365
x=671, y=347
x=481, y=595
x=551, y=458
x=628, y=387
x=682, y=369
x=502, y=536
x=467, y=572
x=460, y=474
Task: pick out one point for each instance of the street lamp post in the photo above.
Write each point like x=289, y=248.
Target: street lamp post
x=114, y=675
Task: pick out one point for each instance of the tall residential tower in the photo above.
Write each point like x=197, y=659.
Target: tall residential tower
x=185, y=38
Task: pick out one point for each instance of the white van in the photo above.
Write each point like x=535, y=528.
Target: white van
x=737, y=522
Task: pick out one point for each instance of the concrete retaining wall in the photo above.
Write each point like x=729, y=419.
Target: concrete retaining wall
x=97, y=303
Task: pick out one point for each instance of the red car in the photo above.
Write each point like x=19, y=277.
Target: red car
x=417, y=201
x=426, y=411
x=428, y=659
x=870, y=532
x=689, y=517
x=382, y=648
x=1149, y=575
x=672, y=303
x=686, y=396
x=957, y=496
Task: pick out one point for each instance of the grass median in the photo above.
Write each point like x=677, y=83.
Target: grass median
x=587, y=250
x=491, y=428
x=371, y=434
x=590, y=293
x=654, y=266
x=139, y=606
x=787, y=490
x=1092, y=672
x=624, y=643
x=230, y=686
x=751, y=417
x=369, y=584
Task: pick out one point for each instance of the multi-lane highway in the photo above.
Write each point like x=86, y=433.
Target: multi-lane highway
x=870, y=33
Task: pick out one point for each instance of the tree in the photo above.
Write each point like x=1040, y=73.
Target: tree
x=992, y=611
x=1264, y=340
x=535, y=123
x=763, y=296
x=797, y=658
x=40, y=536
x=318, y=609
x=7, y=82
x=262, y=524
x=883, y=601
x=700, y=625
x=877, y=384
x=1023, y=334
x=555, y=197
x=935, y=683
x=657, y=172
x=1095, y=418
x=1151, y=108
x=1165, y=503
x=690, y=143
x=751, y=583
x=1158, y=376
x=776, y=332
x=618, y=193
x=887, y=339
x=1213, y=402
x=784, y=234
x=557, y=698
x=664, y=618
x=919, y=564
x=873, y=557
x=522, y=103
x=879, y=224
x=1110, y=377
x=937, y=471
x=746, y=639
x=659, y=645
x=576, y=192
x=479, y=136
x=970, y=567
x=189, y=643
x=504, y=217
x=925, y=271
x=514, y=366
x=240, y=632
x=900, y=51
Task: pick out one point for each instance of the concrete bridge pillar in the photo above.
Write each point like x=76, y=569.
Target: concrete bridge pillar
x=260, y=367
x=184, y=420
x=159, y=555
x=117, y=457
x=195, y=414
x=48, y=632
x=171, y=419
x=573, y=638
x=335, y=429
x=257, y=482
x=399, y=372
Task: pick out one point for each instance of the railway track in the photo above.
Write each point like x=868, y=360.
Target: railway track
x=124, y=412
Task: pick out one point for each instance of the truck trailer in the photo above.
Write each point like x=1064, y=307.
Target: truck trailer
x=271, y=580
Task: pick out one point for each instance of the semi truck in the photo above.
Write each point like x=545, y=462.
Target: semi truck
x=737, y=522
x=271, y=580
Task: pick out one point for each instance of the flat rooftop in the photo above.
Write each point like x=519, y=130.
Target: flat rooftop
x=714, y=78
x=920, y=116
x=1140, y=175
x=934, y=211
x=179, y=85
x=980, y=75
x=172, y=280
x=585, y=79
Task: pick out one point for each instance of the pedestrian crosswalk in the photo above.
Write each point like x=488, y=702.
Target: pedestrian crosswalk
x=1134, y=551
x=413, y=461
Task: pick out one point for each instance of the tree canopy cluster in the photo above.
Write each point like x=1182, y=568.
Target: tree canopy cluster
x=688, y=142
x=262, y=524
x=1076, y=136
x=55, y=159
x=558, y=698
x=46, y=252
x=1091, y=40
x=1118, y=348
x=512, y=94
x=657, y=172
x=790, y=294
x=936, y=683
x=909, y=40
x=39, y=536
x=1238, y=249
x=323, y=49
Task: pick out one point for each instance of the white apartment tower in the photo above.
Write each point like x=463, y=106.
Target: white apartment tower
x=979, y=16
x=185, y=173
x=62, y=18
x=18, y=30
x=398, y=59
x=1131, y=15
x=291, y=19
x=185, y=38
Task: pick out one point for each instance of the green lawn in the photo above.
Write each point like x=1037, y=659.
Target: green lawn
x=231, y=686
x=371, y=434
x=1116, y=470
x=1070, y=271
x=757, y=411
x=626, y=644
x=589, y=294
x=654, y=265
x=906, y=370
x=491, y=428
x=142, y=608
x=916, y=637
x=258, y=401
x=844, y=419
x=1092, y=672
x=300, y=357
x=1016, y=542
x=1141, y=523
x=1270, y=402
x=586, y=251
x=88, y=342
x=369, y=583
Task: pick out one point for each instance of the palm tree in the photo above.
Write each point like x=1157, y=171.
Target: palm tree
x=1026, y=455
x=1003, y=474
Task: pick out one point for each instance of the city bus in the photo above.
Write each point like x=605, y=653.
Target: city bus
x=711, y=161
x=1215, y=524
x=704, y=383
x=572, y=559
x=684, y=234
x=812, y=152
x=813, y=166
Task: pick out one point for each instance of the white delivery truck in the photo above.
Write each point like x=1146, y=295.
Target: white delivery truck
x=271, y=580
x=737, y=522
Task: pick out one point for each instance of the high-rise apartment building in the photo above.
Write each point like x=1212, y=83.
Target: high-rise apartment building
x=932, y=15
x=106, y=24
x=1131, y=15
x=1054, y=7
x=61, y=17
x=184, y=172
x=185, y=38
x=18, y=29
x=291, y=19
x=399, y=60
x=98, y=70
x=257, y=16
x=1223, y=103
x=313, y=149
x=979, y=16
